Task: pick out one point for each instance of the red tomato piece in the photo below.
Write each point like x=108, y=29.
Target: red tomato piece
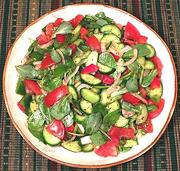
x=119, y=133
x=157, y=62
x=70, y=128
x=147, y=126
x=60, y=38
x=54, y=96
x=83, y=33
x=21, y=107
x=142, y=39
x=49, y=29
x=32, y=86
x=107, y=149
x=116, y=57
x=143, y=92
x=43, y=39
x=47, y=62
x=129, y=42
x=75, y=21
x=90, y=69
x=56, y=128
x=157, y=112
x=106, y=79
x=73, y=47
x=58, y=22
x=131, y=32
x=128, y=97
x=93, y=43
x=156, y=83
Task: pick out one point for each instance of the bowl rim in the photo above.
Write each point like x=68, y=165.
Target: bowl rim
x=82, y=165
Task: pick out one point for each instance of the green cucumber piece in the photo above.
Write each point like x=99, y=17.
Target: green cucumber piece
x=73, y=92
x=72, y=146
x=109, y=28
x=49, y=138
x=90, y=79
x=86, y=106
x=89, y=95
x=87, y=148
x=110, y=38
x=152, y=51
x=122, y=121
x=104, y=69
x=130, y=143
x=149, y=65
x=113, y=106
x=92, y=58
x=142, y=117
x=99, y=36
x=155, y=94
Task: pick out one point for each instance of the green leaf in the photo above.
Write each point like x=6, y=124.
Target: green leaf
x=61, y=69
x=110, y=119
x=107, y=59
x=27, y=71
x=32, y=46
x=36, y=56
x=61, y=109
x=66, y=51
x=35, y=124
x=92, y=123
x=55, y=56
x=98, y=107
x=98, y=138
x=64, y=28
x=101, y=22
x=149, y=78
x=132, y=84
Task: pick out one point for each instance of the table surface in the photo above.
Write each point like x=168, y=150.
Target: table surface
x=163, y=16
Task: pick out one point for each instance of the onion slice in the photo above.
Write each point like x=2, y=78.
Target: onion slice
x=140, y=98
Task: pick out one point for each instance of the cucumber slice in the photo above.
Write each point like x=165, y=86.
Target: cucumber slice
x=155, y=94
x=109, y=28
x=72, y=146
x=49, y=138
x=110, y=38
x=89, y=95
x=90, y=79
x=152, y=51
x=105, y=98
x=92, y=58
x=121, y=122
x=79, y=118
x=86, y=106
x=113, y=106
x=131, y=143
x=96, y=31
x=142, y=117
x=87, y=148
x=73, y=92
x=99, y=36
x=149, y=65
x=104, y=68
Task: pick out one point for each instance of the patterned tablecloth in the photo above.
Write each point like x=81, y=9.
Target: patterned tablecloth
x=162, y=15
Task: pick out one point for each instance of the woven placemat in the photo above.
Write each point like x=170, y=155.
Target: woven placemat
x=163, y=16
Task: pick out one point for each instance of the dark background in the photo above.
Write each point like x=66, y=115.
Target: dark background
x=162, y=15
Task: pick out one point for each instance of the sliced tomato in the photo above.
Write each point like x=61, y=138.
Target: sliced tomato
x=93, y=43
x=129, y=42
x=116, y=57
x=75, y=21
x=147, y=126
x=128, y=97
x=47, y=62
x=49, y=29
x=90, y=69
x=21, y=107
x=107, y=149
x=157, y=62
x=73, y=47
x=157, y=112
x=70, y=128
x=142, y=39
x=118, y=133
x=83, y=33
x=58, y=22
x=106, y=79
x=43, y=39
x=156, y=83
x=32, y=86
x=131, y=32
x=60, y=38
x=56, y=128
x=143, y=92
x=54, y=96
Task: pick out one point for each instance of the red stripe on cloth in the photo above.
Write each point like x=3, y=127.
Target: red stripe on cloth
x=53, y=166
x=55, y=4
x=137, y=10
x=148, y=158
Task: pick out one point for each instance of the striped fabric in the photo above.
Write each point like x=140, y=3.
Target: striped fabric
x=163, y=16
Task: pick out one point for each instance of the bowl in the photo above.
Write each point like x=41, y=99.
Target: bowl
x=59, y=154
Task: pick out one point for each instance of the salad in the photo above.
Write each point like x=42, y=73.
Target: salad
x=90, y=84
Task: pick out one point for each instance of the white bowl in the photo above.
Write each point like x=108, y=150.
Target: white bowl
x=59, y=154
